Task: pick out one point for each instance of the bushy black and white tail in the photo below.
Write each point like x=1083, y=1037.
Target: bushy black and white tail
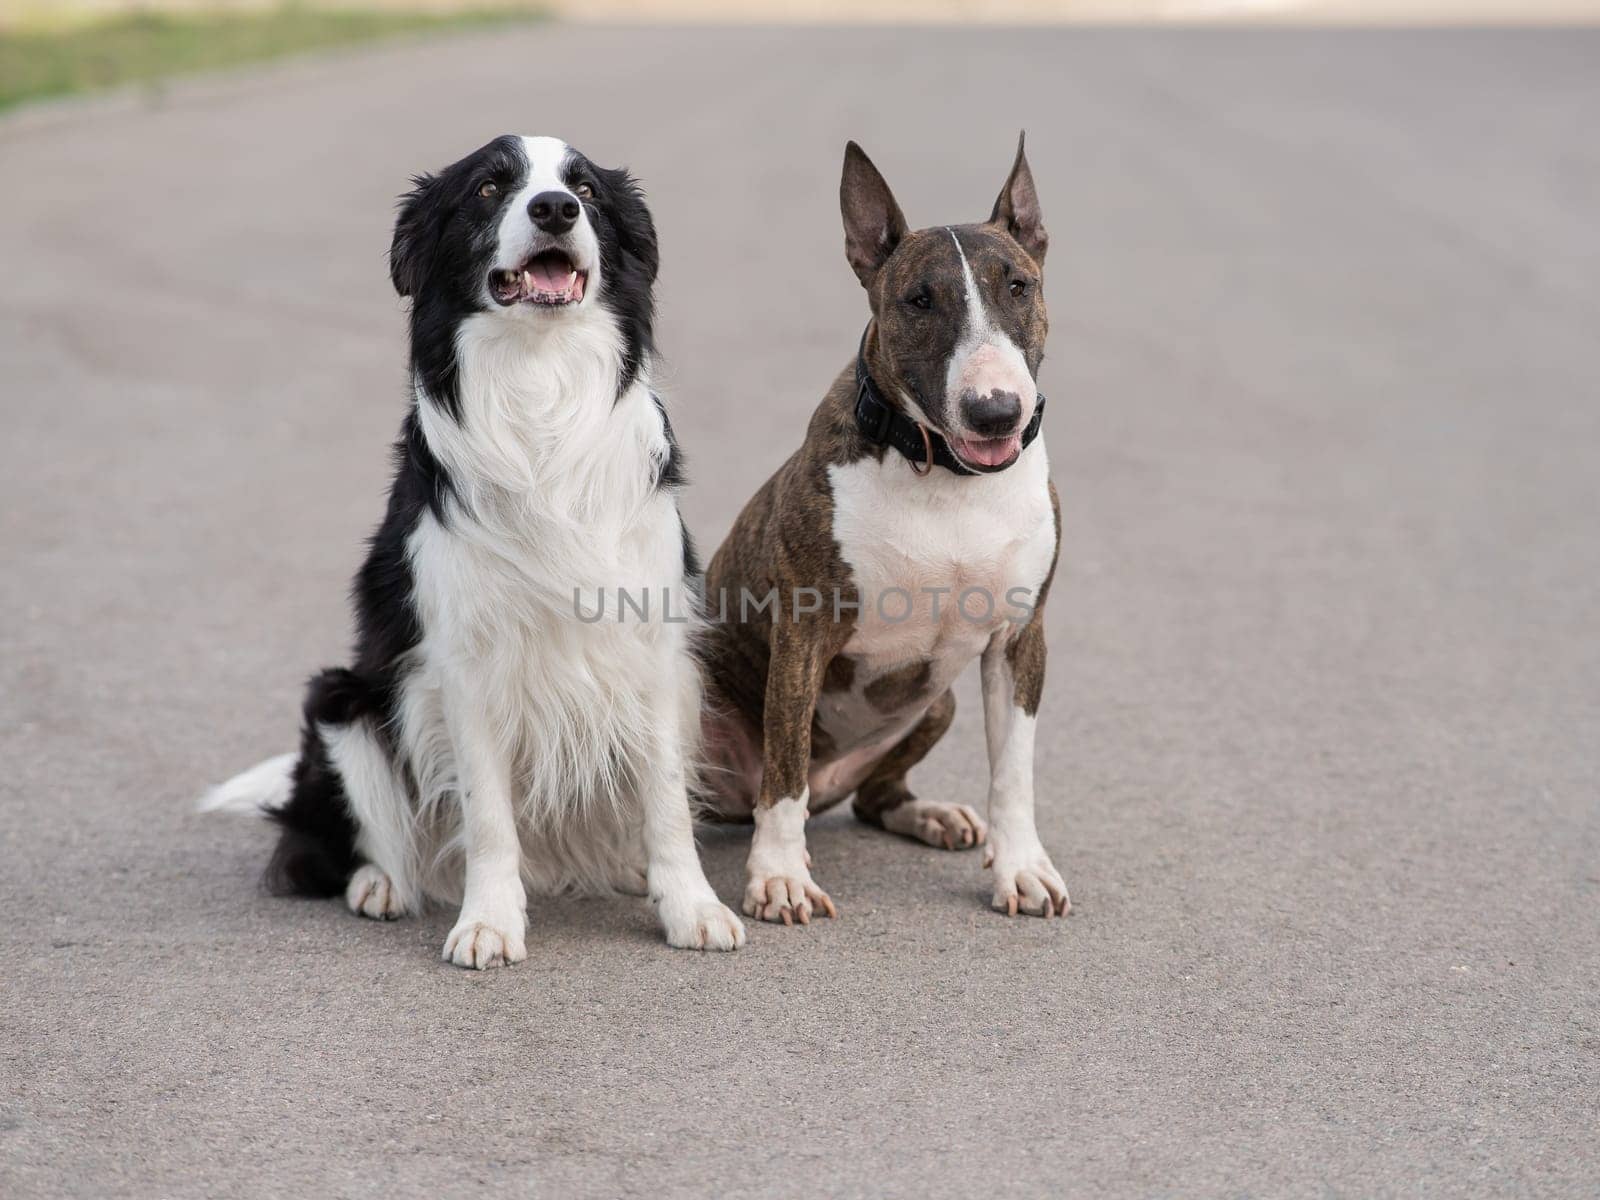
x=305, y=794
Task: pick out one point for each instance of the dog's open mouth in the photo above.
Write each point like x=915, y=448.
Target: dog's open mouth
x=548, y=278
x=987, y=454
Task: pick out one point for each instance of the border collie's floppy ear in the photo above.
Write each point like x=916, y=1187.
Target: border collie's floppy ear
x=873, y=224
x=1017, y=209
x=409, y=250
x=636, y=231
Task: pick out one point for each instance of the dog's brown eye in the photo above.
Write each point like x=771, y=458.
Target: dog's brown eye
x=488, y=189
x=920, y=300
x=583, y=191
x=1019, y=286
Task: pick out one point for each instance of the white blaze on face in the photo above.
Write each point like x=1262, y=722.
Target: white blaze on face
x=519, y=238
x=985, y=360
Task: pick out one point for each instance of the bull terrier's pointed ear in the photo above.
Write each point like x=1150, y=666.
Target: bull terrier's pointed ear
x=1017, y=209
x=873, y=224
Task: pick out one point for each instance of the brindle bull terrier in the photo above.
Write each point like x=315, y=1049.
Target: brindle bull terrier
x=914, y=530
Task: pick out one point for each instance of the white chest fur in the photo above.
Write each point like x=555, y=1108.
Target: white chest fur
x=942, y=562
x=554, y=498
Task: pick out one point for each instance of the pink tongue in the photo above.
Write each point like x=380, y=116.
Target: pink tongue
x=990, y=453
x=550, y=274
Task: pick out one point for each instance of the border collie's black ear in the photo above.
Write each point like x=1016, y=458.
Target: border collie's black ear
x=873, y=224
x=630, y=216
x=409, y=250
x=1017, y=209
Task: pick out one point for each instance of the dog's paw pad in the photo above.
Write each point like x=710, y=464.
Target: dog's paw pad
x=371, y=893
x=477, y=946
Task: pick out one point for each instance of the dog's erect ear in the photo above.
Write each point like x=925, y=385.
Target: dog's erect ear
x=413, y=237
x=1017, y=209
x=873, y=225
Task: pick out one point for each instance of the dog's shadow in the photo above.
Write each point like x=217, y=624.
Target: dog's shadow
x=858, y=865
x=723, y=849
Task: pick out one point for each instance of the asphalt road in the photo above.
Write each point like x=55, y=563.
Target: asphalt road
x=1320, y=744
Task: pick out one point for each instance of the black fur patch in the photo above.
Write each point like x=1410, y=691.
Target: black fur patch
x=692, y=570
x=445, y=239
x=670, y=475
x=316, y=851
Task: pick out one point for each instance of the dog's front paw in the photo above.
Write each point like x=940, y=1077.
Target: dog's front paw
x=787, y=898
x=1026, y=880
x=478, y=946
x=700, y=923
x=780, y=886
x=948, y=826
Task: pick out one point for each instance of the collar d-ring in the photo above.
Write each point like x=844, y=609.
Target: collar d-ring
x=927, y=452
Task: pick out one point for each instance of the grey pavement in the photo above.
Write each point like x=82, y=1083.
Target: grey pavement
x=1320, y=745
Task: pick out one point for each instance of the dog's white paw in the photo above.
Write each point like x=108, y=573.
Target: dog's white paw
x=788, y=898
x=479, y=946
x=780, y=887
x=700, y=923
x=1025, y=880
x=371, y=893
x=947, y=826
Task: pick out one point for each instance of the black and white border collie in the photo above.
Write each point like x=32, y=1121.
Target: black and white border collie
x=487, y=741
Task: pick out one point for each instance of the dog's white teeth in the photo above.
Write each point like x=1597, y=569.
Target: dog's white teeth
x=572, y=278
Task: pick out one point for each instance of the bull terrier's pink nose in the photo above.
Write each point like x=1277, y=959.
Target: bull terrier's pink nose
x=993, y=388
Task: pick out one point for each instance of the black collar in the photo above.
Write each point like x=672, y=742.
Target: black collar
x=882, y=424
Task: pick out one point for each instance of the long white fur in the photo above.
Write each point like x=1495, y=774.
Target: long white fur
x=543, y=753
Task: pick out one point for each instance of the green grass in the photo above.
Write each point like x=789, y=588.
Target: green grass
x=145, y=47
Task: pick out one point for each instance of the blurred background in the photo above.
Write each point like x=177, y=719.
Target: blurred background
x=56, y=47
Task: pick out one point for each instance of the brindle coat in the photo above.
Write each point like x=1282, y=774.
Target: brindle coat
x=786, y=688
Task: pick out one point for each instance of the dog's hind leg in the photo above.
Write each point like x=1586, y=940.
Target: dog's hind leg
x=383, y=886
x=342, y=829
x=371, y=893
x=886, y=801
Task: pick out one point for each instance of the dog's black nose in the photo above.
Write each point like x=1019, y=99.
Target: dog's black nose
x=554, y=212
x=994, y=415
